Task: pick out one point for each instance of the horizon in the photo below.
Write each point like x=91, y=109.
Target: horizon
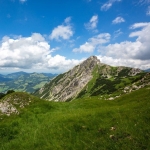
x=6, y=73
x=53, y=37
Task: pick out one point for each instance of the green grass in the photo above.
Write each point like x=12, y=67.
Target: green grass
x=100, y=85
x=39, y=85
x=82, y=124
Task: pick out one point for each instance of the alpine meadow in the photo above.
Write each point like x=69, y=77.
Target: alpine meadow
x=75, y=75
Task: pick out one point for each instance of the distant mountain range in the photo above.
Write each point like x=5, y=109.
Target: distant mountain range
x=147, y=70
x=4, y=79
x=22, y=81
x=93, y=78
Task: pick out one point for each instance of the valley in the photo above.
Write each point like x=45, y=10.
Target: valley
x=22, y=81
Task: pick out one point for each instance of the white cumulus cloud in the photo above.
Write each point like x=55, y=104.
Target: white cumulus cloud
x=118, y=20
x=139, y=25
x=61, y=63
x=142, y=64
x=62, y=31
x=32, y=53
x=18, y=52
x=93, y=43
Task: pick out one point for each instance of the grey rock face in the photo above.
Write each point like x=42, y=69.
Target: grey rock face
x=7, y=108
x=71, y=83
x=134, y=71
x=11, y=104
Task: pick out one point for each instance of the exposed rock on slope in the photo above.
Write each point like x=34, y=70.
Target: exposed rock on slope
x=139, y=84
x=83, y=76
x=69, y=84
x=12, y=103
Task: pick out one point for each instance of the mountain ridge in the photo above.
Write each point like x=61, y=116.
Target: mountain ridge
x=84, y=78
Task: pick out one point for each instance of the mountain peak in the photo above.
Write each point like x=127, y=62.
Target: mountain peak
x=69, y=84
x=90, y=63
x=89, y=77
x=93, y=59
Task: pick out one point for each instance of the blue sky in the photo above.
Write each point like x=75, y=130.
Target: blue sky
x=55, y=35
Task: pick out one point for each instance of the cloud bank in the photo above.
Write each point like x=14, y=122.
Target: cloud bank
x=93, y=43
x=128, y=53
x=32, y=53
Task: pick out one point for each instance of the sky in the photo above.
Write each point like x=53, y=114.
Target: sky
x=55, y=35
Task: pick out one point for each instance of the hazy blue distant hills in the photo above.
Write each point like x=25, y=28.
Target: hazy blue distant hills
x=147, y=70
x=16, y=74
x=22, y=81
x=4, y=78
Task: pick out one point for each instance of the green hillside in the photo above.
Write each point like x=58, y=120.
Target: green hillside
x=22, y=81
x=82, y=124
x=107, y=81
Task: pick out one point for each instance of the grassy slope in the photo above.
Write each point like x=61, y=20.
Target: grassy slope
x=81, y=124
x=100, y=85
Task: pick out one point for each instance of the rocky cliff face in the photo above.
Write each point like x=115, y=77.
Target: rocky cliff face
x=68, y=85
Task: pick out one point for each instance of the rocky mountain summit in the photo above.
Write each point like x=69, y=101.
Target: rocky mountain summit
x=69, y=84
x=91, y=78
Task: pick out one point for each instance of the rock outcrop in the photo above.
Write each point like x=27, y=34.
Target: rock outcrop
x=12, y=103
